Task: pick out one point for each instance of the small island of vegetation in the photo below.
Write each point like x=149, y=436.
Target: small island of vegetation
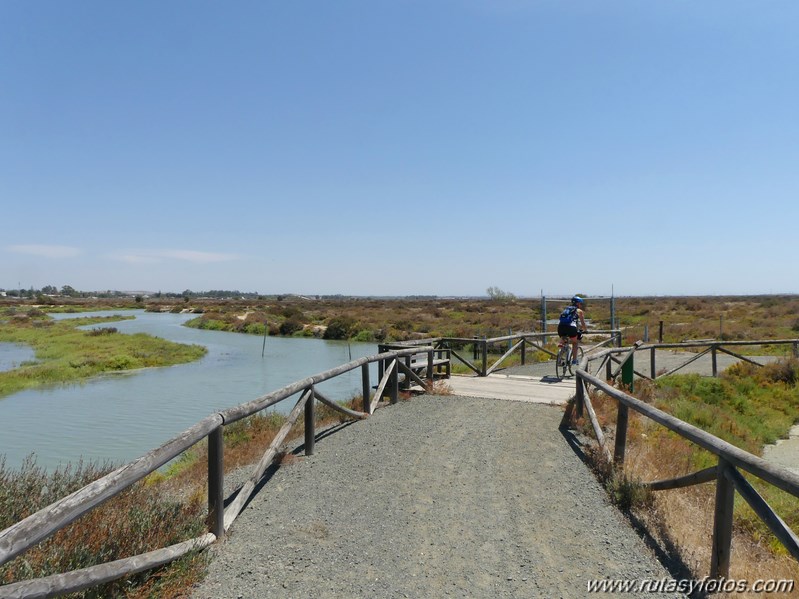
x=66, y=354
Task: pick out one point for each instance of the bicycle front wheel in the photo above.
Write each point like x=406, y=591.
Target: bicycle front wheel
x=579, y=358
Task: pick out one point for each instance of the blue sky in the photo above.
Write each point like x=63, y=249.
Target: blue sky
x=400, y=147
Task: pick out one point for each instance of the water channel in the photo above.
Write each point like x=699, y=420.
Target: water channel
x=122, y=416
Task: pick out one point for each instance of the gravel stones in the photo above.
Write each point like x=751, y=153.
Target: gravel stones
x=434, y=497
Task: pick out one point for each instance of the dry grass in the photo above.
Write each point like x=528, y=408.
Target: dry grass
x=140, y=519
x=680, y=521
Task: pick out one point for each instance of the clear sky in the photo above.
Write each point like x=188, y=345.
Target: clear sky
x=377, y=147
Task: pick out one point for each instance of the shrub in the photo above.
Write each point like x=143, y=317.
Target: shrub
x=290, y=326
x=102, y=331
x=339, y=327
x=140, y=519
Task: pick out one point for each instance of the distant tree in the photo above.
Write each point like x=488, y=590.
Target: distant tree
x=139, y=299
x=50, y=290
x=495, y=293
x=68, y=291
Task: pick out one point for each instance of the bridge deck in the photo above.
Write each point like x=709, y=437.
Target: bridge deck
x=437, y=496
x=531, y=389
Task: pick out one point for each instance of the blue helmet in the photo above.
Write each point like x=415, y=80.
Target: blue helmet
x=577, y=300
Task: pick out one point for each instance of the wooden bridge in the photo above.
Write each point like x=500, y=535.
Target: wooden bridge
x=400, y=368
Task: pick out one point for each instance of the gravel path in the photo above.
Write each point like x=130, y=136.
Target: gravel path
x=435, y=497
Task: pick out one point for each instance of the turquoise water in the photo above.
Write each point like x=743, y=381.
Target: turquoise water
x=122, y=416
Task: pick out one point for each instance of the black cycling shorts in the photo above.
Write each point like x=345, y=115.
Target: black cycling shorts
x=567, y=330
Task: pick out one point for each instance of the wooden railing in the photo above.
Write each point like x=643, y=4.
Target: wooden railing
x=707, y=347
x=730, y=458
x=483, y=347
x=20, y=537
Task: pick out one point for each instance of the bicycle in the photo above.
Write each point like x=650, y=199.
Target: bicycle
x=563, y=361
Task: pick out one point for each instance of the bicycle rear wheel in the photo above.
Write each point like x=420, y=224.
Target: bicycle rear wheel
x=562, y=362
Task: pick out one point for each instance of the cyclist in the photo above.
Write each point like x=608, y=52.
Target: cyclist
x=567, y=326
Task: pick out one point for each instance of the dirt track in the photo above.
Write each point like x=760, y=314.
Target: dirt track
x=439, y=496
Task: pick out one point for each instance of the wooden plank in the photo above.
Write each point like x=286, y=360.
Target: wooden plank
x=542, y=348
x=740, y=357
x=600, y=436
x=465, y=361
x=683, y=365
x=776, y=524
x=235, y=507
x=382, y=386
x=627, y=356
x=776, y=475
x=695, y=478
x=78, y=580
x=19, y=537
x=248, y=409
x=688, y=344
x=412, y=375
x=338, y=407
x=496, y=364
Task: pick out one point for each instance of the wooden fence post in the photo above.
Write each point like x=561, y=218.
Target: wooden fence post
x=216, y=482
x=367, y=391
x=485, y=357
x=524, y=350
x=394, y=383
x=621, y=434
x=310, y=423
x=713, y=361
x=722, y=523
x=580, y=396
x=406, y=382
x=430, y=369
x=652, y=370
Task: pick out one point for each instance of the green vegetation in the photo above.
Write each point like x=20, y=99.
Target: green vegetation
x=749, y=407
x=65, y=354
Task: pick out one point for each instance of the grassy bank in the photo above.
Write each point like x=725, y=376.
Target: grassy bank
x=65, y=354
x=747, y=406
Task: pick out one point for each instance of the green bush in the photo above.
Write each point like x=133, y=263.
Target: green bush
x=339, y=327
x=290, y=326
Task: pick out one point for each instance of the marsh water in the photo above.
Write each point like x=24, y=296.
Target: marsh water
x=14, y=354
x=122, y=416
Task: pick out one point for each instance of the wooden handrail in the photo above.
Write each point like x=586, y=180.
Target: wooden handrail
x=22, y=535
x=19, y=537
x=726, y=474
x=776, y=475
